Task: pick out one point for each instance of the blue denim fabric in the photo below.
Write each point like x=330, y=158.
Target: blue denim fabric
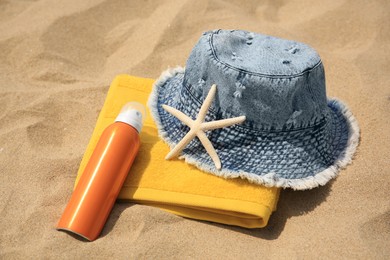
x=292, y=137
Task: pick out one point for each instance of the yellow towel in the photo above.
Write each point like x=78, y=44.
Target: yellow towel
x=173, y=185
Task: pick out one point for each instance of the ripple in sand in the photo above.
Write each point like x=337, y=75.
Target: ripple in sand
x=376, y=232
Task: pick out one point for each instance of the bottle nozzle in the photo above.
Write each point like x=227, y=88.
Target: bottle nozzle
x=132, y=113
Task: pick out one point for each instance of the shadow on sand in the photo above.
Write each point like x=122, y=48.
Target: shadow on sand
x=291, y=204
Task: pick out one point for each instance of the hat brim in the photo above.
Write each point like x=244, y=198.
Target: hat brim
x=299, y=159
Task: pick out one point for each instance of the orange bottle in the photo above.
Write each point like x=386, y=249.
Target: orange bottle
x=104, y=174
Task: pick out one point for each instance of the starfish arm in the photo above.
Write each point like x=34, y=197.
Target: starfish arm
x=179, y=115
x=209, y=148
x=206, y=103
x=181, y=145
x=222, y=123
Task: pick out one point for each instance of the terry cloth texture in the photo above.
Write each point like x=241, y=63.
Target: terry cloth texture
x=176, y=186
x=293, y=136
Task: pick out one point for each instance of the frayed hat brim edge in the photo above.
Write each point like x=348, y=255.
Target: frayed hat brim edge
x=268, y=179
x=153, y=97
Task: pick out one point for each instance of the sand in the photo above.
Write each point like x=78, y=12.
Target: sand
x=57, y=59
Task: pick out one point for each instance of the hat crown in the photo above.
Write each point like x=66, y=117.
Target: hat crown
x=275, y=83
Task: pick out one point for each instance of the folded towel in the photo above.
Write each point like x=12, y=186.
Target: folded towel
x=174, y=185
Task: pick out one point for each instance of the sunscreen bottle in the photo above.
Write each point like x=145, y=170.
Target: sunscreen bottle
x=104, y=174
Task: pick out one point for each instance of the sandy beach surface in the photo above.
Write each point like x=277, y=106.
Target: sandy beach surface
x=57, y=59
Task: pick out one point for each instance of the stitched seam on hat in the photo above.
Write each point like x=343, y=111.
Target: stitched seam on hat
x=256, y=73
x=322, y=123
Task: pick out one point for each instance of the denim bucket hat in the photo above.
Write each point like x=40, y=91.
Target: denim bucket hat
x=293, y=136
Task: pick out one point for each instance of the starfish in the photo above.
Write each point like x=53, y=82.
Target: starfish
x=198, y=126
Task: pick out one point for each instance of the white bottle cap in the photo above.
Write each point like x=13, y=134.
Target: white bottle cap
x=133, y=113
